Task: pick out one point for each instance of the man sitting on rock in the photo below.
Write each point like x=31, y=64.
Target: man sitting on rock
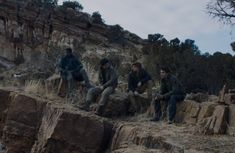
x=108, y=80
x=171, y=92
x=139, y=81
x=71, y=69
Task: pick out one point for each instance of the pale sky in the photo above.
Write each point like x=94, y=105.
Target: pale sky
x=179, y=18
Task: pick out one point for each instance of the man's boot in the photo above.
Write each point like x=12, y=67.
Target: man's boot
x=85, y=106
x=100, y=110
x=155, y=119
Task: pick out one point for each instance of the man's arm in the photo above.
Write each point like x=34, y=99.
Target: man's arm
x=130, y=83
x=173, y=89
x=100, y=78
x=112, y=79
x=146, y=77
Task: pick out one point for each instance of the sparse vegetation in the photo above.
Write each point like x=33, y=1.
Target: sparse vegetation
x=34, y=87
x=116, y=34
x=96, y=18
x=75, y=5
x=37, y=87
x=198, y=72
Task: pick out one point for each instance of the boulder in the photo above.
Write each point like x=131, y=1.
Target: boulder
x=138, y=104
x=221, y=113
x=217, y=123
x=206, y=110
x=79, y=132
x=22, y=123
x=33, y=125
x=117, y=105
x=187, y=112
x=128, y=138
x=4, y=105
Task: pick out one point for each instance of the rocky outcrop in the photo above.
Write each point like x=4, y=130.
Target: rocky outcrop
x=4, y=105
x=129, y=137
x=33, y=125
x=34, y=32
x=163, y=138
x=217, y=123
x=22, y=122
x=210, y=117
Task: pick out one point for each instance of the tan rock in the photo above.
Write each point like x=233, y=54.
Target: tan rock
x=128, y=137
x=221, y=114
x=118, y=105
x=187, y=111
x=231, y=122
x=229, y=98
x=207, y=110
x=79, y=132
x=217, y=123
x=4, y=105
x=22, y=122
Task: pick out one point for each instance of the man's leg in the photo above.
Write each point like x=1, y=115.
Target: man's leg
x=104, y=99
x=85, y=77
x=157, y=110
x=70, y=84
x=133, y=107
x=164, y=106
x=62, y=88
x=172, y=106
x=91, y=95
x=150, y=89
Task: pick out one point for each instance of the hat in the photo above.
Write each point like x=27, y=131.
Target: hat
x=104, y=61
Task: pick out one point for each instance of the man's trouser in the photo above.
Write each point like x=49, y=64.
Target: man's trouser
x=93, y=93
x=85, y=78
x=168, y=104
x=66, y=85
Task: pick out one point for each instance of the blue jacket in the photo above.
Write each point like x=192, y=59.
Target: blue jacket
x=69, y=63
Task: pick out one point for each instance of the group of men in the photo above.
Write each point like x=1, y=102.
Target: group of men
x=139, y=81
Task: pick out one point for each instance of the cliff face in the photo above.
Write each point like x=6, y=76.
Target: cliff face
x=37, y=35
x=30, y=124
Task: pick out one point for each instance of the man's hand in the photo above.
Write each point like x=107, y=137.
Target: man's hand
x=159, y=97
x=139, y=84
x=136, y=93
x=102, y=87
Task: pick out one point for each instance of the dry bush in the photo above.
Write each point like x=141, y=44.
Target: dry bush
x=34, y=87
x=37, y=87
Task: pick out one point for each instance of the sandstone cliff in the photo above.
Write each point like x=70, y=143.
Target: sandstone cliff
x=36, y=36
x=30, y=124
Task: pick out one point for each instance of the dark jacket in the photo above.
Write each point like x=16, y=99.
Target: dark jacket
x=108, y=77
x=134, y=78
x=171, y=86
x=69, y=63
